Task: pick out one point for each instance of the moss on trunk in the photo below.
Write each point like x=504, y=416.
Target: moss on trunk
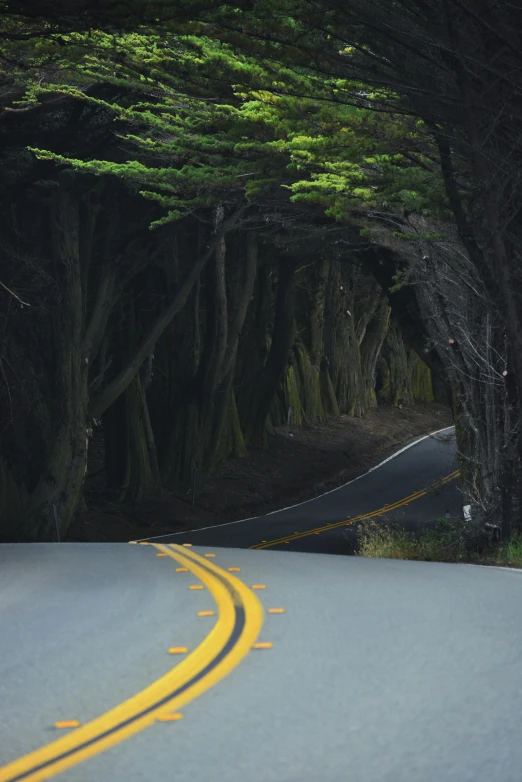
x=291, y=399
x=309, y=385
x=421, y=383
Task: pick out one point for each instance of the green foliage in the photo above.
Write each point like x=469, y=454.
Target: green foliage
x=351, y=169
x=201, y=122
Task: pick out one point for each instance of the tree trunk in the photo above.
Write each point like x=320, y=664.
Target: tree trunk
x=330, y=404
x=498, y=266
x=308, y=385
x=129, y=468
x=58, y=493
x=216, y=332
x=213, y=353
x=225, y=409
x=253, y=349
x=174, y=401
x=149, y=432
x=341, y=341
x=406, y=312
x=244, y=296
x=141, y=481
x=115, y=438
x=282, y=338
x=371, y=345
x=397, y=387
x=317, y=312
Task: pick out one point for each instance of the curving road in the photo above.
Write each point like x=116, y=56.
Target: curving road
x=376, y=670
x=396, y=481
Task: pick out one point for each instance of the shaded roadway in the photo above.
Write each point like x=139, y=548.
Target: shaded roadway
x=416, y=467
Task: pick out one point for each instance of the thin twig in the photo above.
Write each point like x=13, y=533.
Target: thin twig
x=13, y=294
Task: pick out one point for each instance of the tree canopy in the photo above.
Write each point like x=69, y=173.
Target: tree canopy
x=383, y=133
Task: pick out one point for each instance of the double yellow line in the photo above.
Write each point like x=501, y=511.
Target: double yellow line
x=348, y=522
x=240, y=617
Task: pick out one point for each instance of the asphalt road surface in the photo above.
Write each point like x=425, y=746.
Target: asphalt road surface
x=368, y=670
x=419, y=466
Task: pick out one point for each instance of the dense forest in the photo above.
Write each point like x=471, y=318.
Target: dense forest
x=212, y=214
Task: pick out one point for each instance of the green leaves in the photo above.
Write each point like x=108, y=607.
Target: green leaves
x=198, y=122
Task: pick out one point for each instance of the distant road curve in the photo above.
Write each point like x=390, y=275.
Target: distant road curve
x=398, y=487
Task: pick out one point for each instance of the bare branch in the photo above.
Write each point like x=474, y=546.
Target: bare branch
x=13, y=294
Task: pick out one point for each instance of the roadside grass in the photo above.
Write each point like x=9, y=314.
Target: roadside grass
x=442, y=543
x=509, y=553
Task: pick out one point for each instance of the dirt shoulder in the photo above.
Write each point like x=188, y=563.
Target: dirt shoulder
x=299, y=464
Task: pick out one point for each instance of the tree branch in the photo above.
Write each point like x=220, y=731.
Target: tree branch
x=100, y=314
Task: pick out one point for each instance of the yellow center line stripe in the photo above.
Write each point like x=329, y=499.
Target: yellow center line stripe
x=348, y=522
x=240, y=618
